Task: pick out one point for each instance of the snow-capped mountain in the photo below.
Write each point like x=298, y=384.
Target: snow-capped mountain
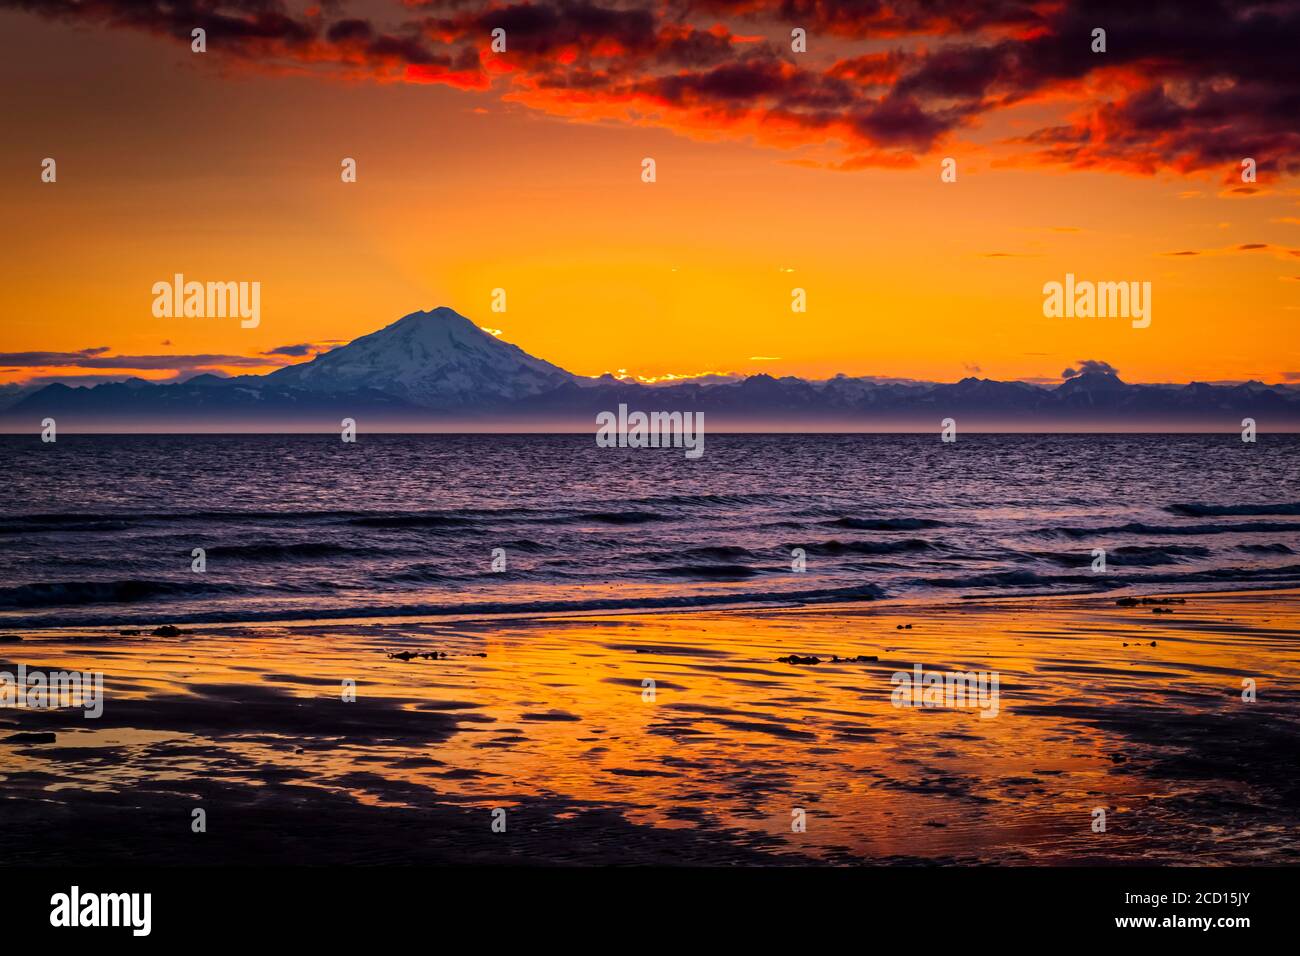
x=437, y=359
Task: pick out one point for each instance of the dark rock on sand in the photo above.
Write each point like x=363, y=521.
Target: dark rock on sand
x=903, y=627
x=167, y=630
x=30, y=738
x=1134, y=602
x=130, y=632
x=796, y=659
x=10, y=639
x=835, y=659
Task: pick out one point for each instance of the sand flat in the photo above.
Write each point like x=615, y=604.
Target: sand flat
x=553, y=724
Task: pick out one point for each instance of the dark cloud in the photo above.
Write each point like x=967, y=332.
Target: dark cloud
x=1177, y=89
x=879, y=18
x=540, y=28
x=95, y=358
x=294, y=351
x=263, y=33
x=901, y=121
x=735, y=84
x=349, y=31
x=1090, y=365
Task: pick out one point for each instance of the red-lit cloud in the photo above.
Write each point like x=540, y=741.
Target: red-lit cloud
x=885, y=83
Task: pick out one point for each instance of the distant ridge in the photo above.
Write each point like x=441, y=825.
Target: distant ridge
x=437, y=367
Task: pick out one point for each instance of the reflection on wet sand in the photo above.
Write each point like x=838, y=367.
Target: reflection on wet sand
x=559, y=725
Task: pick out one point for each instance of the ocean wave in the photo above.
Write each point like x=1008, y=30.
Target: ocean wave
x=708, y=571
x=1137, y=527
x=1195, y=509
x=526, y=545
x=860, y=592
x=72, y=517
x=906, y=546
x=1278, y=573
x=708, y=499
x=61, y=518
x=412, y=520
x=18, y=523
x=72, y=593
x=273, y=551
x=885, y=524
x=1142, y=551
x=1129, y=554
x=1277, y=548
x=616, y=517
x=20, y=526
x=718, y=552
x=419, y=574
x=1022, y=578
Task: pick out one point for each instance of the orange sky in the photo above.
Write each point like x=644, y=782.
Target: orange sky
x=171, y=162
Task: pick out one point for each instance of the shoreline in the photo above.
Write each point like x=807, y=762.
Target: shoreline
x=451, y=617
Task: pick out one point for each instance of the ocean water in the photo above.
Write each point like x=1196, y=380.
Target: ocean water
x=100, y=530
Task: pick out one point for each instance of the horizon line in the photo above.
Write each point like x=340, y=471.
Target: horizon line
x=112, y=431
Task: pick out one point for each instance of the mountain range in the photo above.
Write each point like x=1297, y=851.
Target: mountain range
x=437, y=369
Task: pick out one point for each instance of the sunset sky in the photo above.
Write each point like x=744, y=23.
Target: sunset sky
x=775, y=170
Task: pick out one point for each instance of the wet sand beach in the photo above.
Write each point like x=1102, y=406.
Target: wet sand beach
x=1136, y=710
